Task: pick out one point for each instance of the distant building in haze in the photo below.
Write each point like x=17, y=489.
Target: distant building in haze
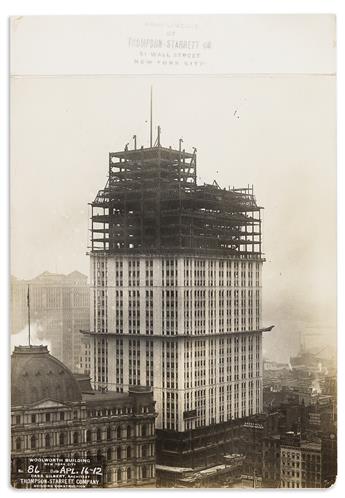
x=59, y=308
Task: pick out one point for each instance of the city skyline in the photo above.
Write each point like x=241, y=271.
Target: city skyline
x=300, y=267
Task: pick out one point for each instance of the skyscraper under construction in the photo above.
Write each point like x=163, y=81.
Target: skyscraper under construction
x=176, y=296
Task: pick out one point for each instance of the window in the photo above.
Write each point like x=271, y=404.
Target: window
x=108, y=433
x=88, y=436
x=62, y=439
x=129, y=452
x=18, y=443
x=118, y=453
x=62, y=416
x=119, y=477
x=17, y=419
x=129, y=431
x=75, y=438
x=47, y=417
x=129, y=474
x=99, y=435
x=144, y=472
x=144, y=430
x=33, y=442
x=47, y=440
x=33, y=418
x=118, y=433
x=109, y=453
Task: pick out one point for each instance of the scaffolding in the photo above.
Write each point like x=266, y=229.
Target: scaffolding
x=153, y=204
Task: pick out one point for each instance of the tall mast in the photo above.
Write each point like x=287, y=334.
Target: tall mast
x=151, y=117
x=29, y=331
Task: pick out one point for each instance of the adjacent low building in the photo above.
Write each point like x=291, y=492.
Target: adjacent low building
x=300, y=463
x=55, y=414
x=271, y=461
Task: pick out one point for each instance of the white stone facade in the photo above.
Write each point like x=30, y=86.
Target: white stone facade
x=189, y=326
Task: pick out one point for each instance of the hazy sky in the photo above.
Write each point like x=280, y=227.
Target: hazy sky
x=281, y=139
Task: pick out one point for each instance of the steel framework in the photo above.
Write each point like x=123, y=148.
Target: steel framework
x=153, y=204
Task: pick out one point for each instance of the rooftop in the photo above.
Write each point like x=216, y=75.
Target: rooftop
x=311, y=446
x=54, y=279
x=141, y=394
x=37, y=376
x=106, y=398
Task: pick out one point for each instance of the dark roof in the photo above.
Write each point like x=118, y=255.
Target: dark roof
x=140, y=396
x=107, y=398
x=84, y=382
x=37, y=376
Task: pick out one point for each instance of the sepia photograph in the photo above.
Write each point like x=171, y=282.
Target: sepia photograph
x=173, y=252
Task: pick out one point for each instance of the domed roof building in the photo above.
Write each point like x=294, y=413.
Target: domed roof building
x=55, y=413
x=37, y=376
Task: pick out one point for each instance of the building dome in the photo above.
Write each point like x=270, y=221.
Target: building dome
x=38, y=376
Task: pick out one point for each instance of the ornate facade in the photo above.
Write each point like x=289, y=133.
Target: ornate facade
x=56, y=414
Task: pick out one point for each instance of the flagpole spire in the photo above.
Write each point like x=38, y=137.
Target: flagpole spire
x=151, y=116
x=29, y=331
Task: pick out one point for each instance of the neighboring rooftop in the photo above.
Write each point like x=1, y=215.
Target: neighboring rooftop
x=311, y=446
x=54, y=279
x=109, y=399
x=37, y=376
